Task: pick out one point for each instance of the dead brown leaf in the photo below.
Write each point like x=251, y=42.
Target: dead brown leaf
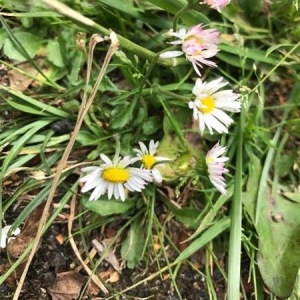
x=67, y=286
x=20, y=79
x=110, y=256
x=110, y=276
x=18, y=245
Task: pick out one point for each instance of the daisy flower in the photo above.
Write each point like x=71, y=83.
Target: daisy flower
x=197, y=44
x=148, y=158
x=216, y=169
x=210, y=104
x=216, y=4
x=4, y=234
x=113, y=177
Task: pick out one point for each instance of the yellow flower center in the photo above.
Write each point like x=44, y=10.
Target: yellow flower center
x=148, y=161
x=209, y=103
x=193, y=39
x=115, y=175
x=210, y=160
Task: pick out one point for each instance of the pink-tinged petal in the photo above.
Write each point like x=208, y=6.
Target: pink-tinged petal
x=216, y=168
x=195, y=30
x=198, y=44
x=196, y=68
x=216, y=4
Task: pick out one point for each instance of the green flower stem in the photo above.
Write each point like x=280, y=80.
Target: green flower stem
x=182, y=12
x=124, y=43
x=235, y=241
x=190, y=17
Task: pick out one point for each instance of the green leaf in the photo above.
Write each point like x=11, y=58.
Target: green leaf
x=151, y=125
x=209, y=217
x=279, y=244
x=285, y=163
x=251, y=54
x=275, y=47
x=30, y=105
x=54, y=54
x=189, y=216
x=278, y=234
x=16, y=5
x=296, y=290
x=132, y=247
x=30, y=42
x=3, y=36
x=13, y=152
x=85, y=138
x=292, y=196
x=123, y=117
x=106, y=207
x=213, y=231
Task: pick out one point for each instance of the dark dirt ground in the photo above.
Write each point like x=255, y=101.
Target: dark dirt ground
x=54, y=258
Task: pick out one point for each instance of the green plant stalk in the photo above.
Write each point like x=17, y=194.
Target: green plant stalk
x=125, y=43
x=150, y=217
x=190, y=17
x=235, y=241
x=183, y=10
x=276, y=66
x=209, y=279
x=173, y=121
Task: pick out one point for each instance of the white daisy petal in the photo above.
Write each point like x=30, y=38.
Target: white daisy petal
x=170, y=54
x=156, y=175
x=105, y=159
x=210, y=105
x=97, y=193
x=222, y=116
x=153, y=147
x=149, y=160
x=89, y=169
x=90, y=184
x=113, y=176
x=143, y=147
x=4, y=235
x=110, y=190
x=122, y=192
x=116, y=191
